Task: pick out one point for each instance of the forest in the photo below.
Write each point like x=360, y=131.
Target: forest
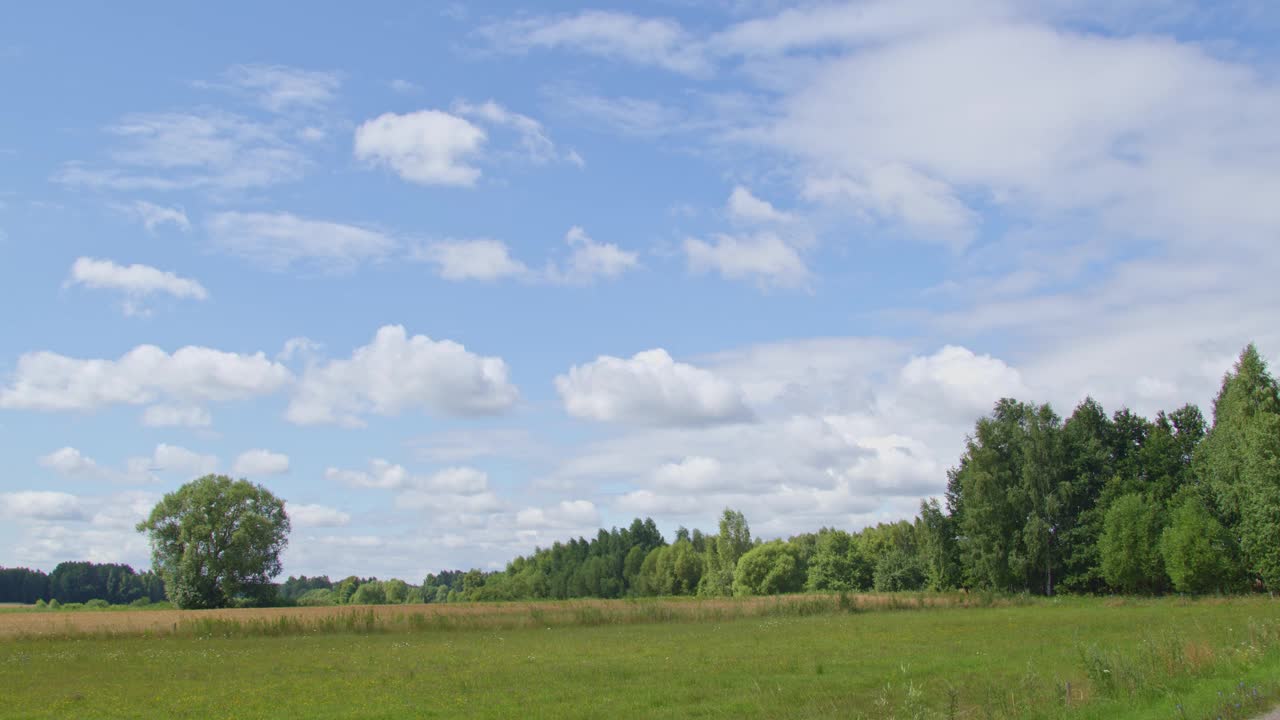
x=1091, y=504
x=80, y=582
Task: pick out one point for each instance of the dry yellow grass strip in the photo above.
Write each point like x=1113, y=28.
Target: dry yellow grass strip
x=475, y=615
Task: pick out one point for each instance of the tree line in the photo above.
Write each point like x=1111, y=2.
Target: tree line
x=80, y=582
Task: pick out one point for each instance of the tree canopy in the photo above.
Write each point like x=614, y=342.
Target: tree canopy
x=217, y=541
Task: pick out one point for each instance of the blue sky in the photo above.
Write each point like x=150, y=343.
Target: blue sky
x=458, y=281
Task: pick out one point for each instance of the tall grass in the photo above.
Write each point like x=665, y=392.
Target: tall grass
x=1158, y=666
x=278, y=622
x=875, y=657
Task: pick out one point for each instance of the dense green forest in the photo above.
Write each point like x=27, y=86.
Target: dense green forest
x=80, y=582
x=1095, y=503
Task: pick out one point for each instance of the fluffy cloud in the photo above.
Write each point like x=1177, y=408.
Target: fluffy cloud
x=397, y=372
x=429, y=147
x=71, y=462
x=929, y=209
x=764, y=257
x=281, y=240
x=173, y=459
x=695, y=473
x=456, y=481
x=649, y=388
x=454, y=489
x=958, y=380
x=747, y=207
x=1179, y=325
x=135, y=281
x=1126, y=129
x=255, y=463
x=312, y=516
x=381, y=475
x=54, y=526
x=485, y=259
x=565, y=514
x=473, y=507
x=41, y=505
x=190, y=375
x=847, y=431
x=1118, y=128
x=814, y=376
x=796, y=450
x=589, y=260
x=456, y=496
x=461, y=492
x=471, y=259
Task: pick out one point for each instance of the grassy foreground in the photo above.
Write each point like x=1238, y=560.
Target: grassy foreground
x=1072, y=658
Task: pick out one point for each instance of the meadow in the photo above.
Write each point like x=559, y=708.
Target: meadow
x=870, y=656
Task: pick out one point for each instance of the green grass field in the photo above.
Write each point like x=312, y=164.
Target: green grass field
x=1119, y=659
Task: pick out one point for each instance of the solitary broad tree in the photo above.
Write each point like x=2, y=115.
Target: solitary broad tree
x=215, y=540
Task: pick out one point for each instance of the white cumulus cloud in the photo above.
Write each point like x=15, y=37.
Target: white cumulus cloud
x=173, y=459
x=961, y=380
x=764, y=257
x=745, y=206
x=381, y=475
x=135, y=281
x=258, y=462
x=455, y=490
x=429, y=147
x=455, y=481
x=650, y=388
x=143, y=376
x=589, y=260
x=306, y=516
x=71, y=462
x=480, y=259
x=41, y=505
x=929, y=209
x=569, y=514
x=397, y=372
